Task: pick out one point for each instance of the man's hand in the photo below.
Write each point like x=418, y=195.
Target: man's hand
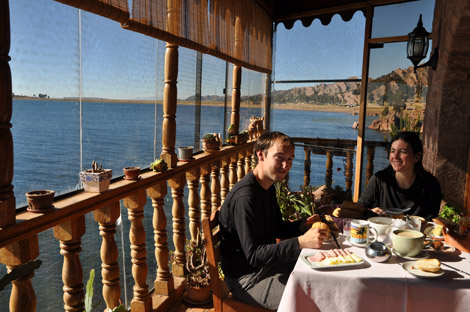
x=313, y=238
x=307, y=223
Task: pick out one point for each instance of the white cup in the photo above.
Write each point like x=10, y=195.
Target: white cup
x=381, y=225
x=360, y=232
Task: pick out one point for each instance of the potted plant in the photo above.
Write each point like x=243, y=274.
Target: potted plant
x=96, y=179
x=131, y=173
x=197, y=286
x=231, y=135
x=211, y=142
x=159, y=165
x=295, y=205
x=185, y=153
x=40, y=201
x=242, y=137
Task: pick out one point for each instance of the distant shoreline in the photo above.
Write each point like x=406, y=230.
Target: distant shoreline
x=371, y=110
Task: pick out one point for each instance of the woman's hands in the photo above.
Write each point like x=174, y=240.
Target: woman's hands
x=378, y=211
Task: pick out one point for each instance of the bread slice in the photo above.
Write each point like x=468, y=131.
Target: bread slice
x=428, y=265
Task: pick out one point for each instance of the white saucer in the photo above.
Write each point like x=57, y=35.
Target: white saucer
x=422, y=255
x=359, y=245
x=409, y=267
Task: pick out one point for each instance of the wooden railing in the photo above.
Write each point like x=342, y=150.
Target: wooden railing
x=208, y=177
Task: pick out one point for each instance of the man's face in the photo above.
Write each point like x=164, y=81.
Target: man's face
x=277, y=162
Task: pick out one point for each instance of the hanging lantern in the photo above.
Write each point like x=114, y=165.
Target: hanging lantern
x=417, y=47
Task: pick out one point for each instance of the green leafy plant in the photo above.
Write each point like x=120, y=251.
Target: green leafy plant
x=295, y=205
x=209, y=137
x=452, y=213
x=89, y=296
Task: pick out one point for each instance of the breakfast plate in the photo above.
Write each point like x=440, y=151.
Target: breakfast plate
x=422, y=255
x=410, y=268
x=428, y=231
x=319, y=266
x=445, y=249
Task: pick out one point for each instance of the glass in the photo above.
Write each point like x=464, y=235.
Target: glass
x=347, y=227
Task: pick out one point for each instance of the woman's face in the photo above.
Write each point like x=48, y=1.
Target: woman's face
x=402, y=158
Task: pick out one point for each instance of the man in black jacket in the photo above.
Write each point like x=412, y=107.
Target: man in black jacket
x=256, y=268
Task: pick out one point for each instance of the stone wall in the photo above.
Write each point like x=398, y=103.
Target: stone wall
x=447, y=116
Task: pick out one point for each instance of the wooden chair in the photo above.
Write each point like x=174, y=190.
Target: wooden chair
x=221, y=297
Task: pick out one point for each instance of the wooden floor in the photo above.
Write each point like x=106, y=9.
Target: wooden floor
x=182, y=306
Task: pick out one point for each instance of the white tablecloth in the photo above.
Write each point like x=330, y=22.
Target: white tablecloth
x=377, y=286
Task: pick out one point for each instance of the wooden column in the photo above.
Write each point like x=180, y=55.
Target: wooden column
x=248, y=162
x=135, y=205
x=241, y=165
x=215, y=185
x=169, y=106
x=7, y=197
x=164, y=284
x=236, y=82
x=348, y=171
x=370, y=162
x=194, y=210
x=307, y=165
x=329, y=169
x=69, y=234
x=363, y=103
x=22, y=296
x=106, y=218
x=179, y=236
x=205, y=191
x=267, y=102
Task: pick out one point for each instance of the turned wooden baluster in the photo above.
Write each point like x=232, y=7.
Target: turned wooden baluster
x=248, y=161
x=205, y=191
x=307, y=165
x=106, y=218
x=179, y=236
x=22, y=296
x=215, y=185
x=224, y=179
x=236, y=82
x=194, y=210
x=370, y=162
x=135, y=205
x=240, y=165
x=69, y=234
x=348, y=170
x=232, y=167
x=164, y=283
x=329, y=169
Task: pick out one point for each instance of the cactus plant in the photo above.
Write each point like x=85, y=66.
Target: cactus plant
x=197, y=268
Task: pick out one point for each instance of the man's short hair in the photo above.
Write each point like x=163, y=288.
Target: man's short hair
x=267, y=139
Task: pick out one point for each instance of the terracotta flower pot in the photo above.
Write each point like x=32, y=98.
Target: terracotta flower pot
x=197, y=295
x=210, y=146
x=40, y=201
x=131, y=173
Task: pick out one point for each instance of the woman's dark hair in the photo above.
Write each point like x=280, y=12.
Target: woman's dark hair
x=415, y=143
x=267, y=139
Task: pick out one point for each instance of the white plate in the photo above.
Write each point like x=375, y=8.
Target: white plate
x=447, y=248
x=318, y=266
x=422, y=255
x=427, y=231
x=410, y=268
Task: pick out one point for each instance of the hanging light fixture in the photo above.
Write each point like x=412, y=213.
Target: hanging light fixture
x=417, y=47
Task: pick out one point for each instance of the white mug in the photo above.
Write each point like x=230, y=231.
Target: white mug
x=360, y=232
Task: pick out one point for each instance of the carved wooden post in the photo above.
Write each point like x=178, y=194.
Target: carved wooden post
x=135, y=205
x=237, y=79
x=194, y=210
x=307, y=165
x=169, y=106
x=205, y=191
x=164, y=283
x=215, y=185
x=7, y=197
x=248, y=162
x=348, y=170
x=370, y=162
x=329, y=169
x=233, y=170
x=179, y=237
x=69, y=234
x=240, y=165
x=224, y=180
x=22, y=296
x=106, y=218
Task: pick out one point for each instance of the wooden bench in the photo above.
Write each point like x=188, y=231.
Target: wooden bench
x=221, y=297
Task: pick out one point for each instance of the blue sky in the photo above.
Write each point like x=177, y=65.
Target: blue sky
x=117, y=63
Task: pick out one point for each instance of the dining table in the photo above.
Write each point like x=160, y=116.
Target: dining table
x=373, y=286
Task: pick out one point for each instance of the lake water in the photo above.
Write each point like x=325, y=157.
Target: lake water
x=46, y=136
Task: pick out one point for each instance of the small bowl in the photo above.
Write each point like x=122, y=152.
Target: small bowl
x=378, y=252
